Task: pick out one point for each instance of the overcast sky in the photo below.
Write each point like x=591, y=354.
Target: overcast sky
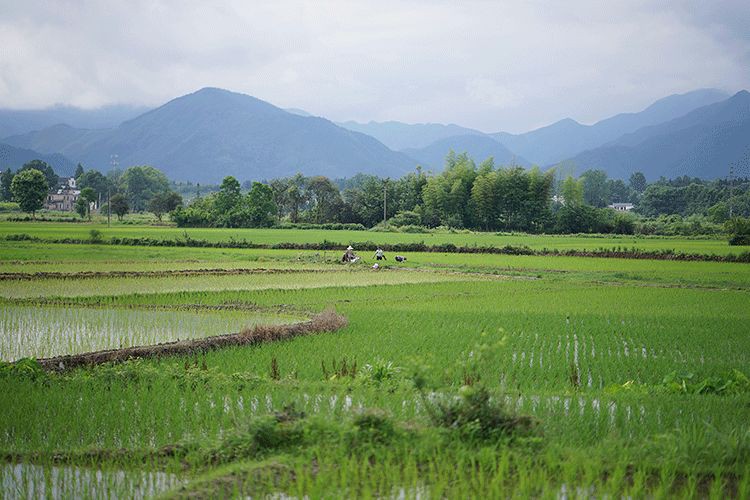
x=490, y=65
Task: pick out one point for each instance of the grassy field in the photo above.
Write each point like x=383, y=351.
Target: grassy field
x=56, y=231
x=458, y=375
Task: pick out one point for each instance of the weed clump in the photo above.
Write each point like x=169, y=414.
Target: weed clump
x=476, y=416
x=282, y=430
x=374, y=426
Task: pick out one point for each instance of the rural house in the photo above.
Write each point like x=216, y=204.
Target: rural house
x=64, y=196
x=621, y=207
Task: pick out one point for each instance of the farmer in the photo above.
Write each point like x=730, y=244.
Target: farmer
x=400, y=258
x=349, y=255
x=379, y=255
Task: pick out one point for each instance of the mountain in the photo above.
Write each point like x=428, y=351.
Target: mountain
x=700, y=144
x=478, y=147
x=567, y=137
x=212, y=133
x=14, y=122
x=14, y=158
x=297, y=111
x=399, y=136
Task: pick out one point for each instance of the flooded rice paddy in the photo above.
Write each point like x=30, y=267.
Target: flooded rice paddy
x=41, y=332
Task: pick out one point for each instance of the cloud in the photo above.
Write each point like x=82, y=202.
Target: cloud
x=489, y=65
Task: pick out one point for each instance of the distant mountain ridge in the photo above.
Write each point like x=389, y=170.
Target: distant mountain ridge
x=14, y=158
x=14, y=122
x=566, y=138
x=212, y=133
x=401, y=136
x=478, y=147
x=701, y=143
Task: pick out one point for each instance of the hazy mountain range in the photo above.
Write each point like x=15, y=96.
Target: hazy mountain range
x=14, y=122
x=567, y=137
x=701, y=143
x=401, y=136
x=479, y=147
x=15, y=157
x=212, y=133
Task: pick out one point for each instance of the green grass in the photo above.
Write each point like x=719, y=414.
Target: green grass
x=272, y=236
x=633, y=368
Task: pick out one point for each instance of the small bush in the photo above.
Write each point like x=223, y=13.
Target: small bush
x=476, y=416
x=95, y=236
x=374, y=426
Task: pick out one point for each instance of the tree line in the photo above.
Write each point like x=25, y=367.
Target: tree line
x=137, y=189
x=463, y=196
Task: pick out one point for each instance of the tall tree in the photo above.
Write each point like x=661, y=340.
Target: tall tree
x=119, y=205
x=484, y=200
x=572, y=192
x=95, y=180
x=262, y=206
x=141, y=183
x=229, y=195
x=29, y=189
x=6, y=179
x=164, y=202
x=637, y=182
x=595, y=191
x=89, y=196
x=45, y=168
x=79, y=172
x=325, y=199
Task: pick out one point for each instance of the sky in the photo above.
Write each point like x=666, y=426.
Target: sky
x=490, y=65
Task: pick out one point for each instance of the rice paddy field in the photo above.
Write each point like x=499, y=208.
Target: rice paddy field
x=58, y=230
x=458, y=376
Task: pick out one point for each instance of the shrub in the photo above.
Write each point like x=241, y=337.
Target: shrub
x=95, y=236
x=405, y=218
x=374, y=426
x=739, y=229
x=476, y=416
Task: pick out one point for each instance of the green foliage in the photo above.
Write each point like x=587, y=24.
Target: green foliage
x=119, y=205
x=140, y=184
x=739, y=230
x=405, y=218
x=379, y=372
x=81, y=206
x=476, y=416
x=24, y=368
x=572, y=192
x=29, y=189
x=94, y=180
x=9, y=206
x=374, y=426
x=261, y=206
x=595, y=188
x=164, y=202
x=45, y=168
x=228, y=208
x=6, y=180
x=95, y=236
x=735, y=382
x=637, y=182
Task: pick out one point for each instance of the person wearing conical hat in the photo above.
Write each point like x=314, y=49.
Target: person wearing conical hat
x=349, y=255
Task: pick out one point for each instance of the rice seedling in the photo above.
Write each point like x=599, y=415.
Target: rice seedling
x=635, y=372
x=44, y=332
